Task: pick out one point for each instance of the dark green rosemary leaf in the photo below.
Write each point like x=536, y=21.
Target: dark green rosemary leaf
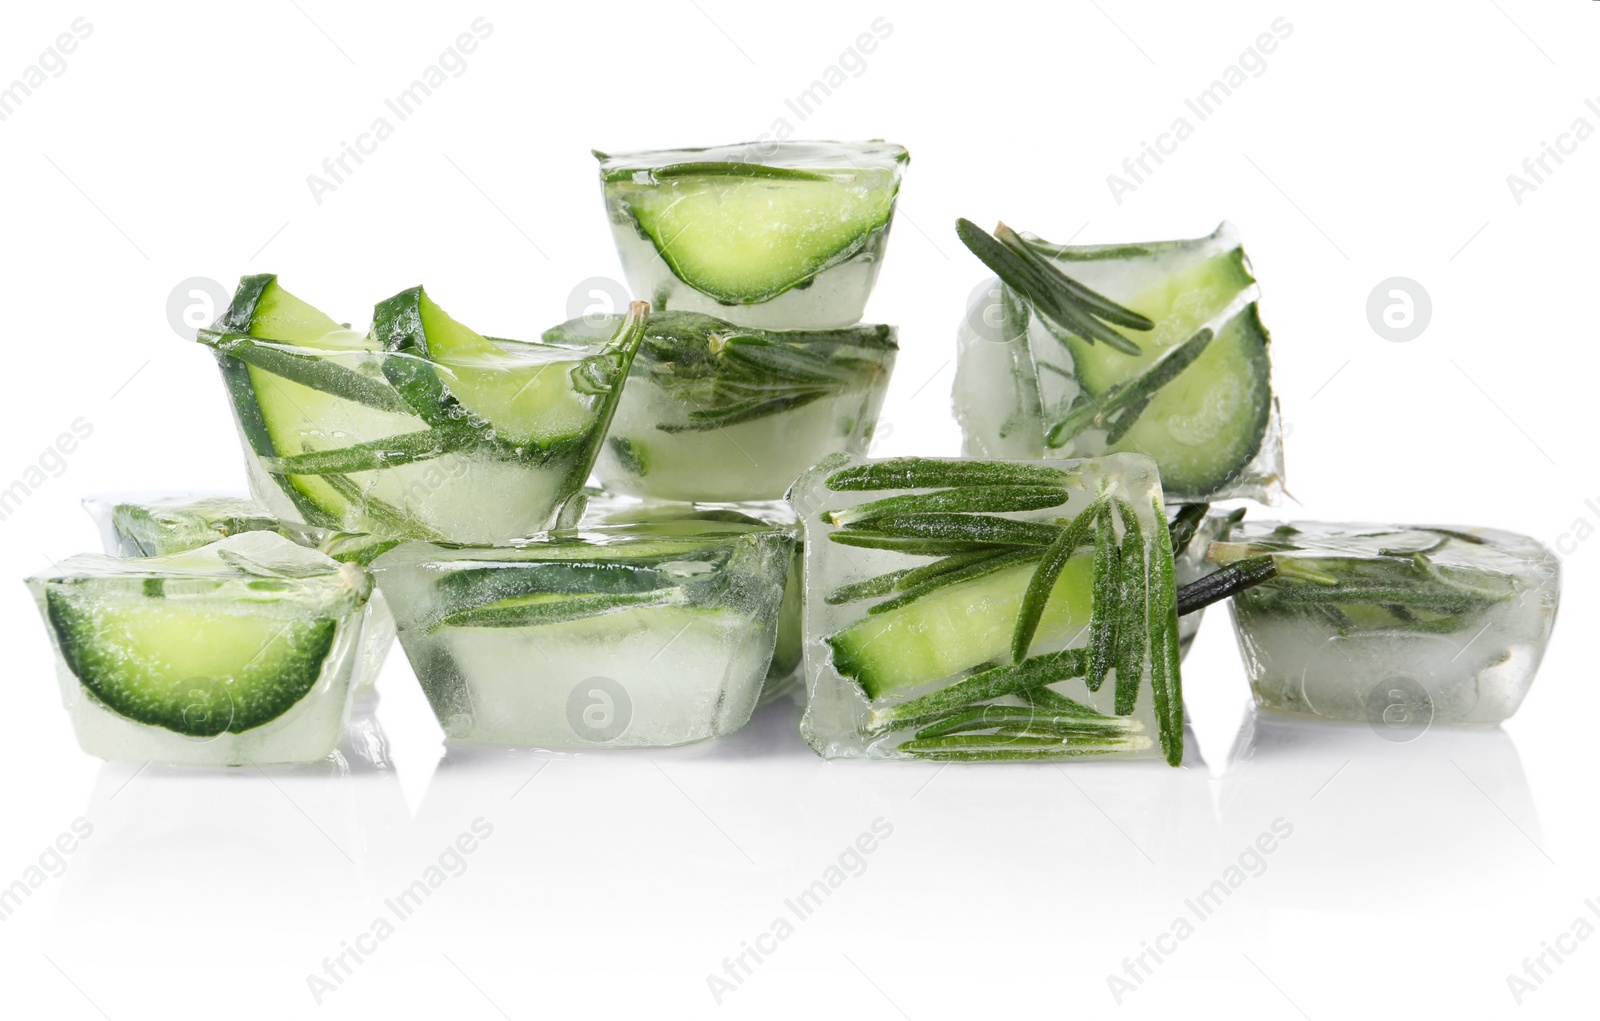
x=965, y=500
x=936, y=473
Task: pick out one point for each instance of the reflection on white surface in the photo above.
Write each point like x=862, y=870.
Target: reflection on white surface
x=175, y=851
x=1398, y=818
x=738, y=868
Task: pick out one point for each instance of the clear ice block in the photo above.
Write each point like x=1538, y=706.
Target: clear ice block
x=720, y=413
x=419, y=428
x=989, y=610
x=1028, y=386
x=1393, y=625
x=781, y=235
x=245, y=651
x=591, y=639
x=133, y=526
x=607, y=513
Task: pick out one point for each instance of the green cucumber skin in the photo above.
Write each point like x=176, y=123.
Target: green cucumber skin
x=242, y=395
x=249, y=708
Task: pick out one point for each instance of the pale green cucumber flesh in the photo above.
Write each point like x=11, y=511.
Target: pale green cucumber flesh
x=744, y=240
x=1203, y=427
x=190, y=666
x=958, y=628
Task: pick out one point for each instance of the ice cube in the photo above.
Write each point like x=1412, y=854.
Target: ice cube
x=958, y=609
x=245, y=651
x=592, y=638
x=419, y=428
x=1028, y=386
x=607, y=513
x=140, y=526
x=132, y=526
x=780, y=235
x=1399, y=626
x=723, y=413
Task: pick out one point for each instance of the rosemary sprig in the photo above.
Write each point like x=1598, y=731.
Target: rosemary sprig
x=1055, y=296
x=1185, y=524
x=1133, y=626
x=976, y=569
x=1166, y=683
x=962, y=500
x=1093, y=301
x=880, y=585
x=388, y=452
x=972, y=528
x=317, y=373
x=1219, y=585
x=1107, y=587
x=1053, y=700
x=1129, y=397
x=1044, y=578
x=990, y=716
x=984, y=748
x=934, y=473
x=984, y=686
x=551, y=608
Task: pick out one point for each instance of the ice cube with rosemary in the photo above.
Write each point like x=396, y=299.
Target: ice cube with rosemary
x=604, y=638
x=144, y=526
x=1155, y=348
x=723, y=413
x=419, y=427
x=148, y=526
x=245, y=651
x=984, y=610
x=1387, y=623
x=781, y=235
x=609, y=513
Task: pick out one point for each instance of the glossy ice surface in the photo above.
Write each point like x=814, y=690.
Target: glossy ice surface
x=591, y=639
x=1394, y=625
x=871, y=650
x=781, y=235
x=245, y=651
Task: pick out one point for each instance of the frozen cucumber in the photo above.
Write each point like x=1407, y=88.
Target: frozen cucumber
x=527, y=395
x=744, y=232
x=195, y=667
x=957, y=628
x=1206, y=423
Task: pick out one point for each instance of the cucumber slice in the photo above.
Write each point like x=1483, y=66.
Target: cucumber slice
x=196, y=666
x=1205, y=426
x=527, y=394
x=743, y=230
x=283, y=418
x=958, y=628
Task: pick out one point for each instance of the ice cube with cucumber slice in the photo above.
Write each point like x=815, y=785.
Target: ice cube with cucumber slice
x=419, y=427
x=146, y=525
x=244, y=651
x=1154, y=348
x=614, y=637
x=781, y=235
x=987, y=610
x=609, y=513
x=723, y=413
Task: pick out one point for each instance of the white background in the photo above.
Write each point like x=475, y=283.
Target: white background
x=1376, y=143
